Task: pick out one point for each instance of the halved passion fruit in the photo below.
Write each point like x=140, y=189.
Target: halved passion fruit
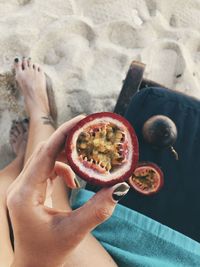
x=147, y=178
x=103, y=149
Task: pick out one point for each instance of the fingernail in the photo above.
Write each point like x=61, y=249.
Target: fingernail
x=120, y=191
x=77, y=183
x=29, y=58
x=16, y=60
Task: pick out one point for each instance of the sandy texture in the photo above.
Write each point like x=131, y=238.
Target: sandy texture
x=86, y=47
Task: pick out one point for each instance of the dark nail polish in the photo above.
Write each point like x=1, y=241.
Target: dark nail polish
x=16, y=60
x=26, y=120
x=120, y=191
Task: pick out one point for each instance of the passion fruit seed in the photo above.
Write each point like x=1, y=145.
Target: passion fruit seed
x=102, y=146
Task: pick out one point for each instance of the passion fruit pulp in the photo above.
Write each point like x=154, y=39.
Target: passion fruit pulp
x=147, y=178
x=102, y=149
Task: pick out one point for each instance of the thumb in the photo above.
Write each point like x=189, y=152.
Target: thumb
x=99, y=208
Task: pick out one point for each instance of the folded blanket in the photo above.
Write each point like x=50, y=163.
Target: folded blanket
x=133, y=239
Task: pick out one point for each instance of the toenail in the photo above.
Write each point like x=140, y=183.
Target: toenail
x=26, y=120
x=16, y=60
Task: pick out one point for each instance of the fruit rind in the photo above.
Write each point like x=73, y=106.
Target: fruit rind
x=97, y=179
x=154, y=167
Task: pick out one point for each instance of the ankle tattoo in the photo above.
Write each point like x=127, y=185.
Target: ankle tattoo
x=48, y=120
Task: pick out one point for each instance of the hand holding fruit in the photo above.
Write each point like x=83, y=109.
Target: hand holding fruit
x=44, y=235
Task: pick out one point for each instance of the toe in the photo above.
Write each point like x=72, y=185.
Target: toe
x=25, y=124
x=36, y=67
x=29, y=62
x=24, y=63
x=16, y=129
x=14, y=132
x=17, y=64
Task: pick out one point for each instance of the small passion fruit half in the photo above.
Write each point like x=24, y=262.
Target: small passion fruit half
x=102, y=149
x=147, y=178
x=160, y=131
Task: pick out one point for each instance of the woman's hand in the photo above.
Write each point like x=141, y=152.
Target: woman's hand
x=44, y=236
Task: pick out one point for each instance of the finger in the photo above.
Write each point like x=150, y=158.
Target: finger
x=49, y=189
x=58, y=139
x=42, y=161
x=98, y=209
x=63, y=170
x=62, y=157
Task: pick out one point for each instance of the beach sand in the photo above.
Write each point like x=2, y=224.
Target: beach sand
x=86, y=47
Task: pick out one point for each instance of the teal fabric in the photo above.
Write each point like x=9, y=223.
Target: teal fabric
x=133, y=239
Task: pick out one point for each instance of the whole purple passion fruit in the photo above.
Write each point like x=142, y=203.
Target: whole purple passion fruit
x=161, y=132
x=102, y=149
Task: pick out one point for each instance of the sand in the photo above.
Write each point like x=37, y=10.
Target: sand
x=86, y=47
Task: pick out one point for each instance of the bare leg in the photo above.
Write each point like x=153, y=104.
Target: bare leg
x=31, y=79
x=32, y=82
x=7, y=175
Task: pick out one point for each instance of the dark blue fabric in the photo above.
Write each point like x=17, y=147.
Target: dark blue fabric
x=177, y=205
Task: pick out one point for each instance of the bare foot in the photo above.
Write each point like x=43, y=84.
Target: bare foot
x=32, y=81
x=18, y=137
x=18, y=140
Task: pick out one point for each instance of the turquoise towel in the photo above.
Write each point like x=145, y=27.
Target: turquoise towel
x=133, y=239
